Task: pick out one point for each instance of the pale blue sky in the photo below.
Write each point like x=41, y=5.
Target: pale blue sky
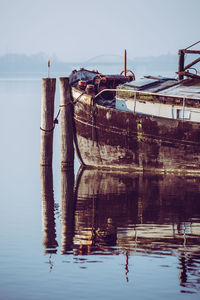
x=76, y=30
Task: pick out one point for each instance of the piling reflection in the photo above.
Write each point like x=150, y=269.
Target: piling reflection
x=68, y=209
x=48, y=219
x=112, y=213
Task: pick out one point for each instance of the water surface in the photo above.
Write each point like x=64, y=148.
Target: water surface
x=89, y=234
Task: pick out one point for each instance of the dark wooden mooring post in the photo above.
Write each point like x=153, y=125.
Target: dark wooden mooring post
x=181, y=64
x=66, y=121
x=47, y=121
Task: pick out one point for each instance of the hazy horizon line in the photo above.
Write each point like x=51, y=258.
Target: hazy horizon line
x=54, y=57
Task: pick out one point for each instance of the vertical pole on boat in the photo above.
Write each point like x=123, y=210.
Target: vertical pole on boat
x=181, y=64
x=47, y=121
x=49, y=68
x=125, y=63
x=183, y=108
x=134, y=102
x=66, y=121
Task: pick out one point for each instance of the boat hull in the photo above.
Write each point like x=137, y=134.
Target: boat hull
x=110, y=138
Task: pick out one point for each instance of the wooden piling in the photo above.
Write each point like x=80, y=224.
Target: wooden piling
x=47, y=121
x=66, y=121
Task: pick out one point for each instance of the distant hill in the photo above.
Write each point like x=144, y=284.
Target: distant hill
x=106, y=59
x=118, y=59
x=140, y=65
x=32, y=64
x=20, y=63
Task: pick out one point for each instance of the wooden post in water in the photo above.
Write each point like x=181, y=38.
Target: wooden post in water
x=181, y=64
x=47, y=121
x=66, y=121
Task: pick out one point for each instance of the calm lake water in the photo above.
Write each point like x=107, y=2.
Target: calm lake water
x=90, y=234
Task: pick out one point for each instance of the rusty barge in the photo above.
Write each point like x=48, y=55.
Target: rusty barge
x=148, y=124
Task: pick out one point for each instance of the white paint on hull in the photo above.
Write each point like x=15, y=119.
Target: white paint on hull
x=159, y=109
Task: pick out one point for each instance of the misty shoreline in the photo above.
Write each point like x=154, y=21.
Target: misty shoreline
x=36, y=65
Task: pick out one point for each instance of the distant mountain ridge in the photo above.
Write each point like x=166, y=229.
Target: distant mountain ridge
x=106, y=59
x=116, y=59
x=164, y=64
x=16, y=63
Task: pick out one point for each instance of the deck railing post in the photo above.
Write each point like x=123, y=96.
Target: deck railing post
x=181, y=64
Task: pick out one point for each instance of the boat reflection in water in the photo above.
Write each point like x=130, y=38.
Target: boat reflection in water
x=138, y=214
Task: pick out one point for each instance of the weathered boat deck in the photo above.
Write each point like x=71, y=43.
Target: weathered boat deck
x=189, y=88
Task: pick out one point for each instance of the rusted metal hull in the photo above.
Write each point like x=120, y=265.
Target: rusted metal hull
x=109, y=138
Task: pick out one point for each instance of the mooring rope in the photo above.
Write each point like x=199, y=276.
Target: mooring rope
x=69, y=103
x=55, y=121
x=56, y=118
x=47, y=130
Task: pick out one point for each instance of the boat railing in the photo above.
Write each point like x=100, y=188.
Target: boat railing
x=136, y=92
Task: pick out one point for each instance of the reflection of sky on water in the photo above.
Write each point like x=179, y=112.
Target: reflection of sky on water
x=121, y=236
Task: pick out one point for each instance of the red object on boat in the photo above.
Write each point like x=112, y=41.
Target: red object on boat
x=82, y=84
